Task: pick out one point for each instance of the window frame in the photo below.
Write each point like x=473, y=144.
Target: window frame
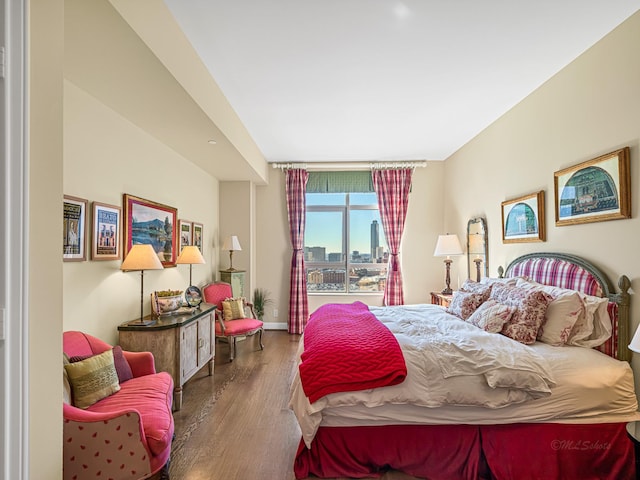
x=346, y=264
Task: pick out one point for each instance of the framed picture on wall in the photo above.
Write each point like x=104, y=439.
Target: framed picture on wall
x=147, y=222
x=595, y=190
x=523, y=219
x=185, y=227
x=197, y=235
x=74, y=228
x=107, y=221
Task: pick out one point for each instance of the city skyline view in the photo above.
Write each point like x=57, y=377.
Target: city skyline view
x=324, y=229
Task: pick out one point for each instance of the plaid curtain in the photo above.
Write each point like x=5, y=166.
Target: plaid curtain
x=392, y=187
x=296, y=184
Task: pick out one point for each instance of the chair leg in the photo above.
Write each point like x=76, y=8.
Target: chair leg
x=232, y=348
x=260, y=339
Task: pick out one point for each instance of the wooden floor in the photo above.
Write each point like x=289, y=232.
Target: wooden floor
x=236, y=425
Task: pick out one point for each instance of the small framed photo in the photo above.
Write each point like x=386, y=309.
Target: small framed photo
x=595, y=190
x=74, y=229
x=197, y=235
x=185, y=227
x=523, y=219
x=152, y=223
x=107, y=221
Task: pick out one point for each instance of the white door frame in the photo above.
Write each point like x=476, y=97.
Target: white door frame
x=14, y=452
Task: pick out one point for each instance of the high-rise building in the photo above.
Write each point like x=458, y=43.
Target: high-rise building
x=375, y=240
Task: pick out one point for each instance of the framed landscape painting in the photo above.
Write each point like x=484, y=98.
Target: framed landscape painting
x=105, y=243
x=523, y=219
x=595, y=190
x=147, y=222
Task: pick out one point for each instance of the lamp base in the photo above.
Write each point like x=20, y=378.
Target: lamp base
x=447, y=291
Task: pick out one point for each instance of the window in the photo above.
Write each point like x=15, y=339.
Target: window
x=344, y=245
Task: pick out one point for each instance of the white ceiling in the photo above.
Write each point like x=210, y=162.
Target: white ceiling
x=348, y=80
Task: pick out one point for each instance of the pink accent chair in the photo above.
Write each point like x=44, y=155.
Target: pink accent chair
x=215, y=293
x=126, y=435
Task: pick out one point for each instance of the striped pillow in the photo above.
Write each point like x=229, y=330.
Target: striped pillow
x=93, y=379
x=233, y=308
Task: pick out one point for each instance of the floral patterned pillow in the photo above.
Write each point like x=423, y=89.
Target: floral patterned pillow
x=531, y=307
x=491, y=316
x=463, y=304
x=475, y=287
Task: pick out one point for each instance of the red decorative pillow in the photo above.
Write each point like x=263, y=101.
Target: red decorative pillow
x=531, y=306
x=123, y=369
x=463, y=304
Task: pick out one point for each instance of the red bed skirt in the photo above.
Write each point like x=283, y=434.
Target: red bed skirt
x=496, y=452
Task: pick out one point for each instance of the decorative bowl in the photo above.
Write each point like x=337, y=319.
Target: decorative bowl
x=165, y=304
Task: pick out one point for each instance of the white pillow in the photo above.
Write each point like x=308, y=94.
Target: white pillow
x=506, y=280
x=593, y=326
x=491, y=316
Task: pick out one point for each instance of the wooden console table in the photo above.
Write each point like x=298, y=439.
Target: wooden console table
x=181, y=343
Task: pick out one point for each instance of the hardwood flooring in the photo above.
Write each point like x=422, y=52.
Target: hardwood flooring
x=236, y=424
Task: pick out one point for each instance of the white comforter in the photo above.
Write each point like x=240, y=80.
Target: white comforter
x=449, y=362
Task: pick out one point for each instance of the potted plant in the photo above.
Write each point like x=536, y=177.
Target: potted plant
x=260, y=301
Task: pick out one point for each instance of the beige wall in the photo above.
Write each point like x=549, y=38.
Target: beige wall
x=588, y=109
x=422, y=272
x=44, y=291
x=105, y=157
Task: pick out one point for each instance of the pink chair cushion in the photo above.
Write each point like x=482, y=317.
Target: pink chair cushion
x=151, y=396
x=239, y=326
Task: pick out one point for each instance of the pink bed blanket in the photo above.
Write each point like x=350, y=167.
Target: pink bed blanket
x=346, y=348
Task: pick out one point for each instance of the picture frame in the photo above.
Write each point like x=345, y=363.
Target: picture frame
x=523, y=219
x=149, y=222
x=185, y=228
x=106, y=229
x=594, y=191
x=197, y=235
x=74, y=229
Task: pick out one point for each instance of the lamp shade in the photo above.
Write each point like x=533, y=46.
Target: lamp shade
x=141, y=257
x=635, y=342
x=191, y=255
x=447, y=245
x=231, y=243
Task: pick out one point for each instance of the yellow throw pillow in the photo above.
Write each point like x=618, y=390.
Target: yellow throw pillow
x=93, y=379
x=233, y=308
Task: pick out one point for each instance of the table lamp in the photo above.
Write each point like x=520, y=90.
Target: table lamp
x=447, y=245
x=190, y=255
x=231, y=243
x=141, y=257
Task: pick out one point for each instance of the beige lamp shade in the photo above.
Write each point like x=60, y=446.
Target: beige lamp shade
x=231, y=243
x=141, y=257
x=447, y=245
x=190, y=255
x=634, y=346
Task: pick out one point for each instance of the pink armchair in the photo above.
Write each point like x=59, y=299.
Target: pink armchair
x=126, y=435
x=215, y=293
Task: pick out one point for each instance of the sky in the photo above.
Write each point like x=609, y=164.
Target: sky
x=324, y=229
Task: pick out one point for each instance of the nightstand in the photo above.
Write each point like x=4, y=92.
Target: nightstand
x=441, y=299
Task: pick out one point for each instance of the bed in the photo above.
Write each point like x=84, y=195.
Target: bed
x=555, y=406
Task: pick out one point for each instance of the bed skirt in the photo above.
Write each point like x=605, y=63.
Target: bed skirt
x=486, y=452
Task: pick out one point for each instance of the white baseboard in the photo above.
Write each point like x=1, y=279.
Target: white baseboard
x=275, y=326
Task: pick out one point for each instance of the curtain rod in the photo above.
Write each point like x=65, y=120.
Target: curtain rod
x=350, y=165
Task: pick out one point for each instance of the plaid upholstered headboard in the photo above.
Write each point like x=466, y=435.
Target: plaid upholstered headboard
x=575, y=273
